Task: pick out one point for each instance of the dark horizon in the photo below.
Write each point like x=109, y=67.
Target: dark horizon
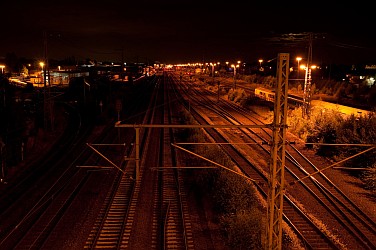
x=175, y=32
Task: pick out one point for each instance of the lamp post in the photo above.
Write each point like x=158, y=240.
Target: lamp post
x=2, y=72
x=213, y=65
x=44, y=74
x=261, y=68
x=234, y=66
x=298, y=59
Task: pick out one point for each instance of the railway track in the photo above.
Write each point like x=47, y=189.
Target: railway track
x=115, y=221
x=152, y=212
x=46, y=199
x=346, y=214
x=312, y=237
x=51, y=186
x=129, y=225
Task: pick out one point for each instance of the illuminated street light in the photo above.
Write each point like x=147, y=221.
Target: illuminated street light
x=41, y=64
x=298, y=59
x=213, y=65
x=2, y=68
x=304, y=67
x=238, y=66
x=260, y=61
x=261, y=68
x=235, y=66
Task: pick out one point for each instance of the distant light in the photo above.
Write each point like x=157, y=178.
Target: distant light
x=304, y=67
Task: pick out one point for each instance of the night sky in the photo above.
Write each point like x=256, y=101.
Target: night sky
x=187, y=31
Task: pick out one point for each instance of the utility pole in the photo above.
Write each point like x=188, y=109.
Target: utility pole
x=276, y=180
x=307, y=81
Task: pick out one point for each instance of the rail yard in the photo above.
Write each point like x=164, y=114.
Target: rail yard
x=124, y=185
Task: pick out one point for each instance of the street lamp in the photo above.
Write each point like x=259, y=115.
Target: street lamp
x=234, y=66
x=42, y=66
x=2, y=68
x=298, y=59
x=213, y=65
x=261, y=68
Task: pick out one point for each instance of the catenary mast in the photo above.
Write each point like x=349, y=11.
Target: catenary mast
x=276, y=168
x=307, y=81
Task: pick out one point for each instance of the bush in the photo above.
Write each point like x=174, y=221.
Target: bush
x=232, y=194
x=369, y=178
x=243, y=229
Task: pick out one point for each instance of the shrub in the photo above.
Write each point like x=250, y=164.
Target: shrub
x=243, y=229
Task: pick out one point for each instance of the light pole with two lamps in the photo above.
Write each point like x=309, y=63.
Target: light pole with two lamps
x=235, y=66
x=213, y=70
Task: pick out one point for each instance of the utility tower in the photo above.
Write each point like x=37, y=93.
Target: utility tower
x=307, y=81
x=277, y=164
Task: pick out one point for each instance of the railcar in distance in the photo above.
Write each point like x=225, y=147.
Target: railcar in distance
x=269, y=95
